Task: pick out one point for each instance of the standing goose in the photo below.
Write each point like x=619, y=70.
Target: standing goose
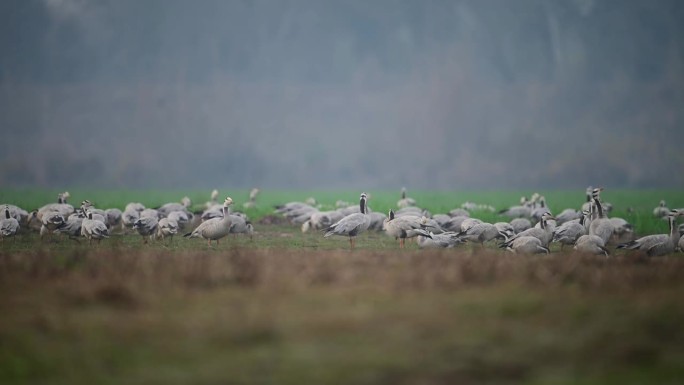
x=680, y=244
x=600, y=226
x=524, y=210
x=8, y=225
x=251, y=203
x=407, y=226
x=72, y=227
x=215, y=228
x=661, y=211
x=404, y=201
x=657, y=244
x=167, y=228
x=93, y=228
x=146, y=227
x=353, y=224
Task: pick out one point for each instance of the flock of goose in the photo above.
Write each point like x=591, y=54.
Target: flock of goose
x=531, y=227
x=87, y=221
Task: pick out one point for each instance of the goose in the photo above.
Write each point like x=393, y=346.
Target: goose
x=17, y=212
x=587, y=205
x=239, y=225
x=657, y=244
x=505, y=229
x=97, y=214
x=569, y=232
x=680, y=244
x=661, y=211
x=407, y=226
x=215, y=228
x=591, y=244
x=251, y=203
x=521, y=211
x=322, y=219
x=134, y=206
x=146, y=227
x=113, y=216
x=600, y=226
x=377, y=221
x=128, y=218
x=538, y=211
x=8, y=225
x=459, y=212
x=166, y=228
x=544, y=232
x=93, y=228
x=181, y=218
x=404, y=201
x=526, y=245
x=72, y=227
x=471, y=206
x=61, y=207
x=468, y=223
x=480, y=232
x=213, y=200
x=456, y=224
x=568, y=215
x=447, y=239
x=168, y=208
x=520, y=224
x=149, y=213
x=353, y=224
x=49, y=221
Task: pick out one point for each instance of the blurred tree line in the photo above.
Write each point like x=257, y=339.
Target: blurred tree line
x=304, y=93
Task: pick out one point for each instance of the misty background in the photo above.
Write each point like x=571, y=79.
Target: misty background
x=342, y=94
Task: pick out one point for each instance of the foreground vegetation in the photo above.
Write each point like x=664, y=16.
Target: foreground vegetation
x=269, y=316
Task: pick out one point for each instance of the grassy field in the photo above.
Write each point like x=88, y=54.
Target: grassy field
x=293, y=308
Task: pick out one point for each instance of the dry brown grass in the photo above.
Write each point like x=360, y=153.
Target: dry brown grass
x=241, y=315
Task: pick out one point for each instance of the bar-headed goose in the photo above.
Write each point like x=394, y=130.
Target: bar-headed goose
x=407, y=226
x=146, y=227
x=353, y=224
x=661, y=211
x=8, y=225
x=405, y=201
x=657, y=244
x=167, y=228
x=215, y=228
x=93, y=228
x=526, y=245
x=591, y=244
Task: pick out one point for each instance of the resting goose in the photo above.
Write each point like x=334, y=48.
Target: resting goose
x=134, y=206
x=657, y=244
x=521, y=224
x=353, y=224
x=407, y=226
x=524, y=210
x=128, y=218
x=526, y=245
x=591, y=244
x=569, y=232
x=8, y=225
x=544, y=233
x=215, y=228
x=444, y=240
x=481, y=233
x=168, y=208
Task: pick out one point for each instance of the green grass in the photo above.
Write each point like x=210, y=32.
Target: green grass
x=636, y=206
